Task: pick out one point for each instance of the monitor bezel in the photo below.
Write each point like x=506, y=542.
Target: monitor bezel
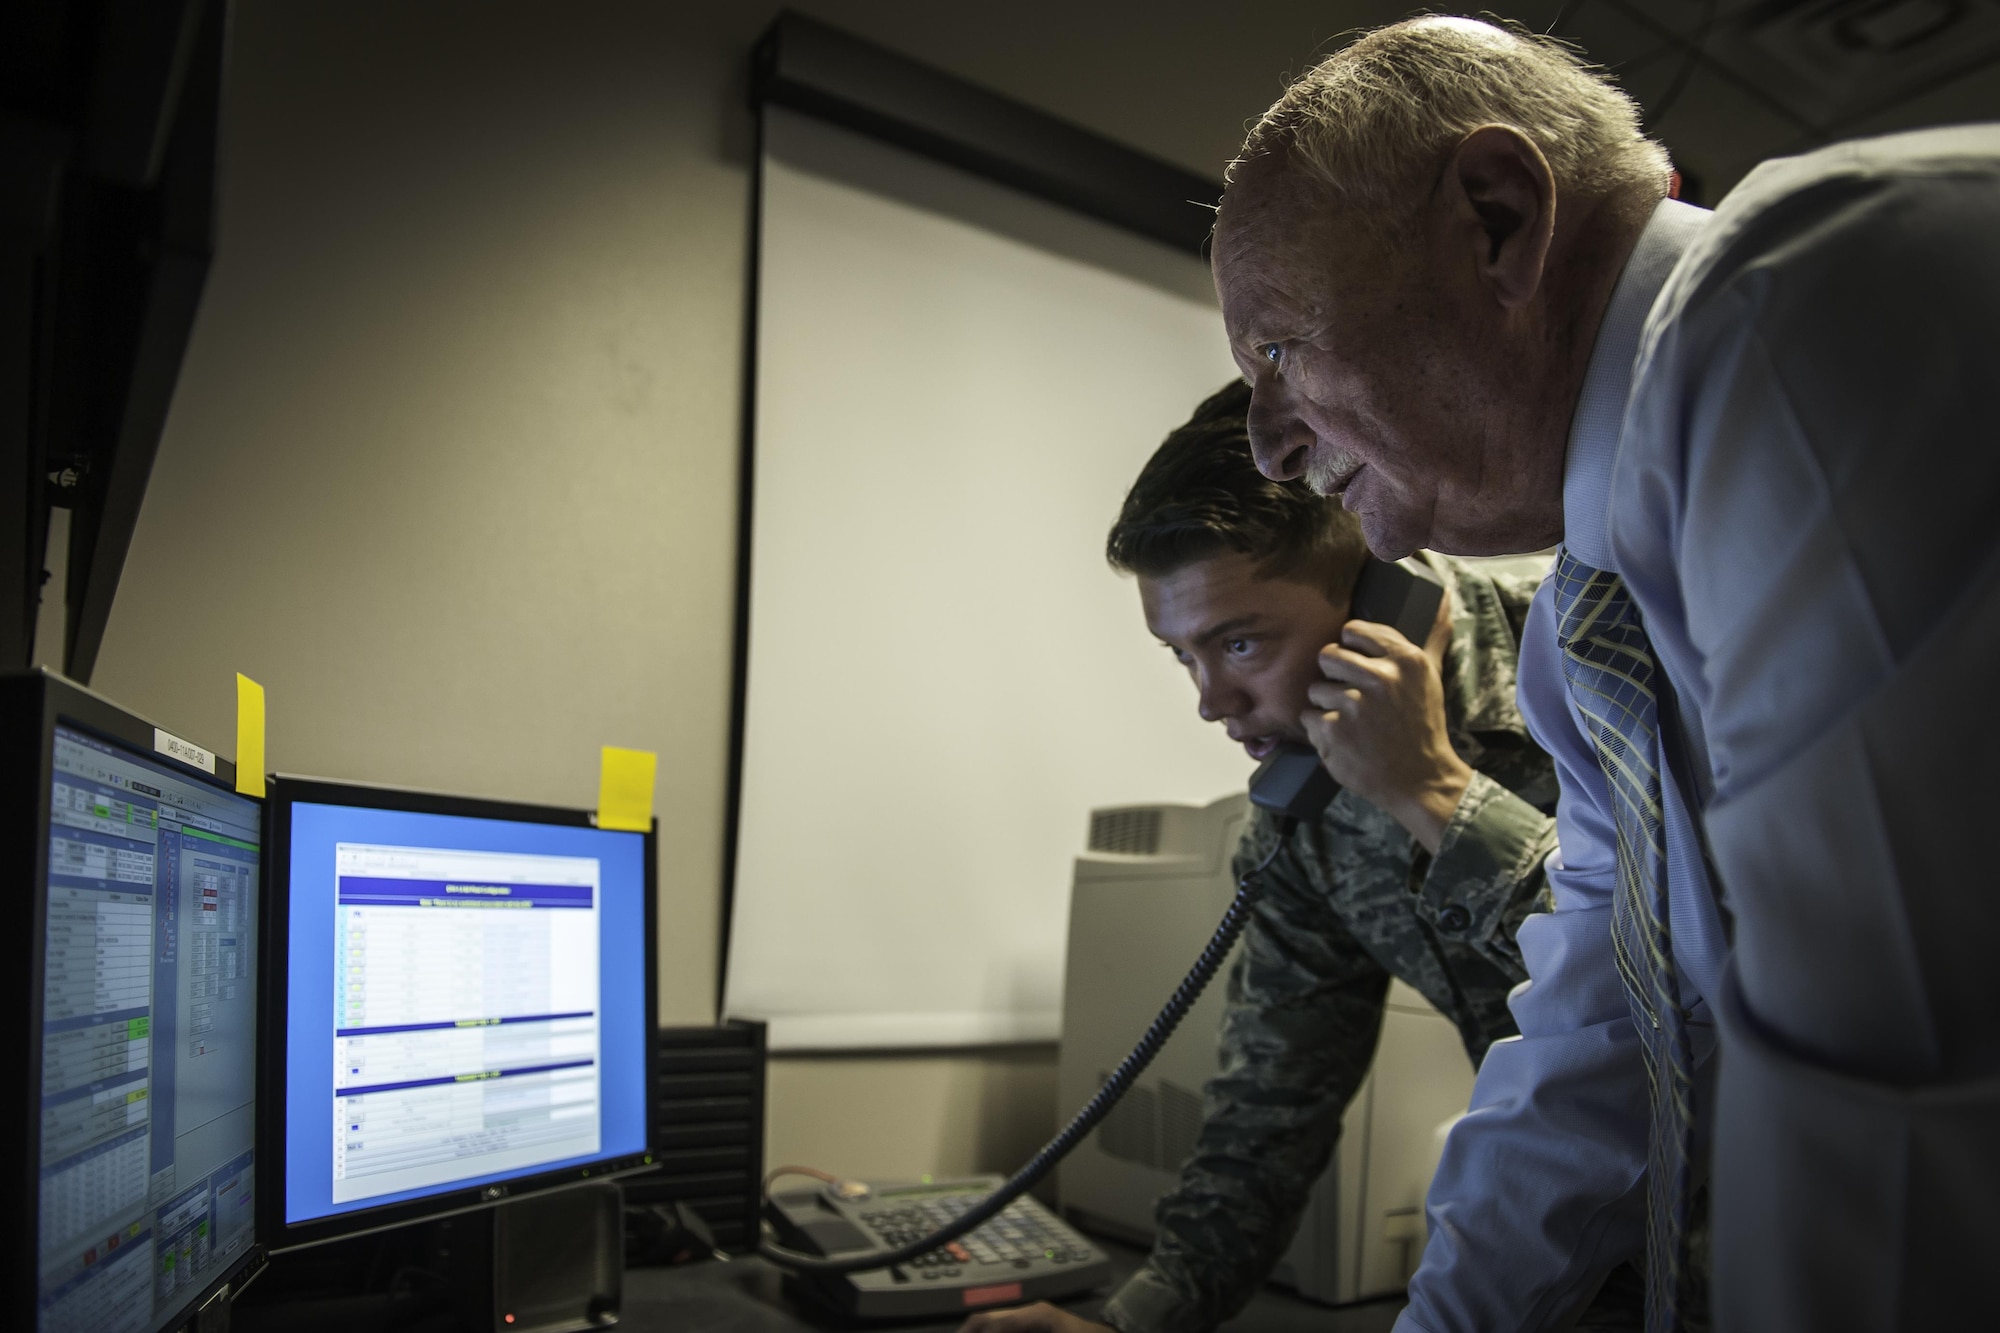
x=32, y=705
x=287, y=790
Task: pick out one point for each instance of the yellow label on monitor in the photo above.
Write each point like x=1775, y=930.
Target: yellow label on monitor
x=249, y=736
x=625, y=789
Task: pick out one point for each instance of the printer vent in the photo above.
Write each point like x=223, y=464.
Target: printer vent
x=1152, y=1127
x=1129, y=1131
x=1180, y=1124
x=1132, y=831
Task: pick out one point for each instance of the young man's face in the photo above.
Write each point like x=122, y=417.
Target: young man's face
x=1251, y=643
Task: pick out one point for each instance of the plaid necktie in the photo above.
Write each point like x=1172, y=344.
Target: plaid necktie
x=1610, y=670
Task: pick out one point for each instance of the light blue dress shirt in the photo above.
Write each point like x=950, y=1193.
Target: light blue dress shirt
x=1788, y=444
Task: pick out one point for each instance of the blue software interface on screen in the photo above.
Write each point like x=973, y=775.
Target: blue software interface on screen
x=466, y=1003
x=149, y=1038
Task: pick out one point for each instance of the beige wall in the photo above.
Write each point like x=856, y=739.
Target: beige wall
x=883, y=1116
x=452, y=464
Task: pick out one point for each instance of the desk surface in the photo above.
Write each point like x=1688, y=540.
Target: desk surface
x=744, y=1296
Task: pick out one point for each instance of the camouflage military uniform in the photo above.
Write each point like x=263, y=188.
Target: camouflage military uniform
x=1352, y=902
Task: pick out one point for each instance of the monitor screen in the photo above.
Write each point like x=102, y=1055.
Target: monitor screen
x=149, y=1044
x=466, y=1003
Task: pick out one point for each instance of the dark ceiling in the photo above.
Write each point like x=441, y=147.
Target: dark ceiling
x=1727, y=83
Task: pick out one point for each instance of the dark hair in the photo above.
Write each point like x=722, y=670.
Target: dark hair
x=1200, y=495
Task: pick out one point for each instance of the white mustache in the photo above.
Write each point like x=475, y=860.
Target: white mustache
x=1326, y=474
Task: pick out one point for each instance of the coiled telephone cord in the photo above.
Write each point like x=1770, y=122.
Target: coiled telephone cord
x=1134, y=1064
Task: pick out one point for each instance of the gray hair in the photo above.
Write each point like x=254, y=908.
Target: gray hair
x=1375, y=121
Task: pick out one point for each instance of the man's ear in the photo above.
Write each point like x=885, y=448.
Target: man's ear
x=1503, y=197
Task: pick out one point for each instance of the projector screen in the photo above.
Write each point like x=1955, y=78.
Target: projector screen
x=955, y=385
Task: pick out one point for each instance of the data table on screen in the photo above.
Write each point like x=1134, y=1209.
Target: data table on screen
x=147, y=1030
x=465, y=1010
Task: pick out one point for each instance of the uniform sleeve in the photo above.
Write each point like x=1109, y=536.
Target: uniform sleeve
x=1820, y=490
x=1488, y=874
x=1541, y=1187
x=1298, y=1033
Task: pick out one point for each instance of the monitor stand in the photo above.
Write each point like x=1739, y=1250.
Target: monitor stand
x=547, y=1263
x=538, y=1264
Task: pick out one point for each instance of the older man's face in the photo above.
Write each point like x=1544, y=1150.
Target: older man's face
x=1376, y=372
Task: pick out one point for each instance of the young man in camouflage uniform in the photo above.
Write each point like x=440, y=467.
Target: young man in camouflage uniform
x=1423, y=868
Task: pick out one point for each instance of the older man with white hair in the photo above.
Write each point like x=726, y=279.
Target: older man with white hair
x=1764, y=437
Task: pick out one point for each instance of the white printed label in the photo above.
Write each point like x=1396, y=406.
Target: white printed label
x=174, y=747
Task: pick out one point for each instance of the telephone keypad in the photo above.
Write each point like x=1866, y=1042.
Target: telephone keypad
x=1016, y=1238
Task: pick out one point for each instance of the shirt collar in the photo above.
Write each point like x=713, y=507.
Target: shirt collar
x=1600, y=408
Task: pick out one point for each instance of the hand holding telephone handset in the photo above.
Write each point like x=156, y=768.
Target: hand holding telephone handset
x=1292, y=781
x=1389, y=593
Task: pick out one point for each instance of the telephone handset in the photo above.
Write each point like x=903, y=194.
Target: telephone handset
x=1291, y=781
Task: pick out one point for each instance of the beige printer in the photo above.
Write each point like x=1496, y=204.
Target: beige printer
x=1147, y=894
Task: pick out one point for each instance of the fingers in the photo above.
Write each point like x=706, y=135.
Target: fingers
x=1371, y=638
x=1351, y=668
x=1366, y=651
x=1038, y=1318
x=1367, y=655
x=1331, y=696
x=1338, y=664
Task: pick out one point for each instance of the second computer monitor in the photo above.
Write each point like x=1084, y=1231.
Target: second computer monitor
x=463, y=1005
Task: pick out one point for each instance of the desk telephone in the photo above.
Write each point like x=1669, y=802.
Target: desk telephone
x=1024, y=1254
x=914, y=1250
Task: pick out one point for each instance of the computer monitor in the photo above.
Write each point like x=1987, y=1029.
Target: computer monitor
x=134, y=961
x=462, y=1006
